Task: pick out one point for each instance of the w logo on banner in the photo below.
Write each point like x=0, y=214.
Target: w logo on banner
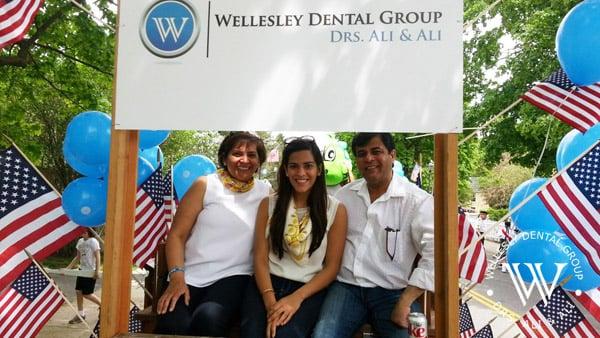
x=538, y=280
x=169, y=28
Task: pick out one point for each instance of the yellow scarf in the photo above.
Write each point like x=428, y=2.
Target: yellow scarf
x=297, y=233
x=232, y=184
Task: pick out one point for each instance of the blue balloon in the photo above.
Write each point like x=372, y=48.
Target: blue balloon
x=578, y=43
x=398, y=169
x=144, y=170
x=188, y=169
x=152, y=138
x=550, y=249
x=573, y=144
x=88, y=137
x=90, y=170
x=84, y=201
x=533, y=215
x=154, y=155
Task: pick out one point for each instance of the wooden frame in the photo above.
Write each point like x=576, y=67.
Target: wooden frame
x=121, y=213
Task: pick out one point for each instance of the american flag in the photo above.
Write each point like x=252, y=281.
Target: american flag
x=16, y=16
x=559, y=318
x=28, y=304
x=573, y=198
x=485, y=332
x=150, y=226
x=135, y=325
x=466, y=327
x=31, y=217
x=506, y=235
x=473, y=263
x=170, y=198
x=578, y=107
x=590, y=300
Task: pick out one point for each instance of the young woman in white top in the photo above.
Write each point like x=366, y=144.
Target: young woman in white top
x=298, y=246
x=209, y=248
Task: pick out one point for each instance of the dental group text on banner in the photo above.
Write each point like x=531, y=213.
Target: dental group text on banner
x=330, y=65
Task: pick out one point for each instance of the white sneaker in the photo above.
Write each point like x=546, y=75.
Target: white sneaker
x=76, y=319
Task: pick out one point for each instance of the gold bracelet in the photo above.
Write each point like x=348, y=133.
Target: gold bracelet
x=268, y=290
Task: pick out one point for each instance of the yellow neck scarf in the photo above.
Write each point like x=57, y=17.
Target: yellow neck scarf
x=232, y=184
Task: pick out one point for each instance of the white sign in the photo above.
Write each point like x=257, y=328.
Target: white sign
x=352, y=65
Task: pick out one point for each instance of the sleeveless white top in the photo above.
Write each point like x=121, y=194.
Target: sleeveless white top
x=304, y=270
x=221, y=240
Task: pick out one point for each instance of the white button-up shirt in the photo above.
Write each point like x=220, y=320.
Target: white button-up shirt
x=407, y=213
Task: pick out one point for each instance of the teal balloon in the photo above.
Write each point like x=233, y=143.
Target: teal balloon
x=578, y=43
x=398, y=168
x=188, y=169
x=153, y=155
x=533, y=215
x=90, y=170
x=84, y=201
x=549, y=249
x=152, y=138
x=574, y=144
x=88, y=138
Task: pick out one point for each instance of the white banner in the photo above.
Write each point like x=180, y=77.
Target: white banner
x=352, y=65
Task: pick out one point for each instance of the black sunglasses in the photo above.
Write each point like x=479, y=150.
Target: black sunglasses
x=306, y=138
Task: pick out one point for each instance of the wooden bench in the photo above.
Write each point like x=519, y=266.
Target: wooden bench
x=156, y=283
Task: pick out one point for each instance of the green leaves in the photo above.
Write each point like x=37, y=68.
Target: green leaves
x=532, y=26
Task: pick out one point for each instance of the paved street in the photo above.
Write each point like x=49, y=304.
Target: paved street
x=497, y=292
x=58, y=326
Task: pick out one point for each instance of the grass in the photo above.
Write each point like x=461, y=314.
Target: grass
x=56, y=262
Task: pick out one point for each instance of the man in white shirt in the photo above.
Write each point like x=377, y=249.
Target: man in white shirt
x=390, y=222
x=88, y=255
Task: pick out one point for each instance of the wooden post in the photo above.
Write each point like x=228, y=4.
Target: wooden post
x=446, y=235
x=120, y=218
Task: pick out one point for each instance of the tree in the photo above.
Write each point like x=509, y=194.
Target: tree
x=499, y=183
x=184, y=143
x=495, y=77
x=62, y=68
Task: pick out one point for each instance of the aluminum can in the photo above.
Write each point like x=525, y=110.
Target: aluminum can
x=417, y=325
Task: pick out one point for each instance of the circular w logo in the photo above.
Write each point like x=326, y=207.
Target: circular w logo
x=169, y=28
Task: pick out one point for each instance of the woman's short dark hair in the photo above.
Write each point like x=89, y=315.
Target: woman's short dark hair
x=90, y=232
x=234, y=138
x=362, y=139
x=317, y=199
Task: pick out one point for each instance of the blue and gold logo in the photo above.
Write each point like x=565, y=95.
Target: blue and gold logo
x=169, y=28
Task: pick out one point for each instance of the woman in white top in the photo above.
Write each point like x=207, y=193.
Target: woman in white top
x=298, y=246
x=209, y=248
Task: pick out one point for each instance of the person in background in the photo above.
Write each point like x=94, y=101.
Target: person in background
x=390, y=222
x=209, y=247
x=299, y=241
x=507, y=235
x=481, y=225
x=88, y=256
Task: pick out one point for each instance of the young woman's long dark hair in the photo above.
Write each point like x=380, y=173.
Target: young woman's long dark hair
x=317, y=198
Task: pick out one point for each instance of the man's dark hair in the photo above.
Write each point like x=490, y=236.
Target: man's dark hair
x=362, y=139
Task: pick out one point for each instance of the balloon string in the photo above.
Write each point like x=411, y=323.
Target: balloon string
x=539, y=161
